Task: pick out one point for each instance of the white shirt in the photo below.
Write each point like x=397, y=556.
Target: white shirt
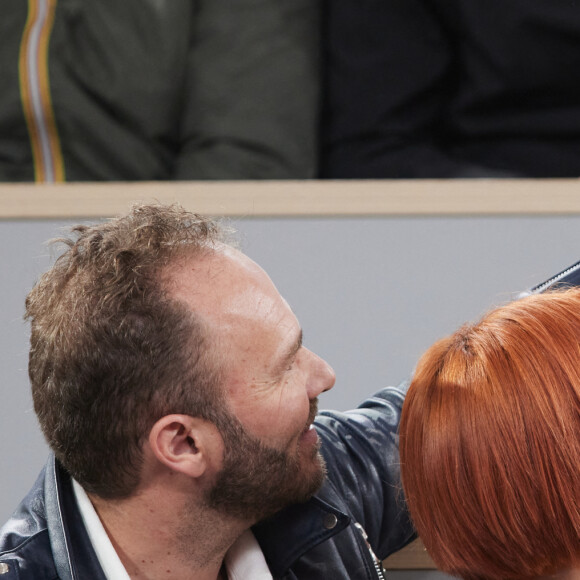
x=244, y=560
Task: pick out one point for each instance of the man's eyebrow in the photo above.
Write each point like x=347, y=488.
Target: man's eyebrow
x=298, y=344
x=293, y=349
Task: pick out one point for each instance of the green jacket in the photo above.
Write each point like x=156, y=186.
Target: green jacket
x=158, y=89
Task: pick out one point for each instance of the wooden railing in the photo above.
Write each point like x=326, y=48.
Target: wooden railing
x=299, y=198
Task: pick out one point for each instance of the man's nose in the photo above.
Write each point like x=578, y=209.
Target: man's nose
x=322, y=377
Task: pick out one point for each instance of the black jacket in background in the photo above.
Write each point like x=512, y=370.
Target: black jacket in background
x=449, y=88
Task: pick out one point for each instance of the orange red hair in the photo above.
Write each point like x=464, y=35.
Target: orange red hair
x=490, y=442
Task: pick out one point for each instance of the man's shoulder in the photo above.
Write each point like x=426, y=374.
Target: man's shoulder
x=26, y=557
x=361, y=452
x=25, y=550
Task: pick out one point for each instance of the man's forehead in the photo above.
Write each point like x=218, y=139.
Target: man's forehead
x=243, y=313
x=226, y=283
x=219, y=260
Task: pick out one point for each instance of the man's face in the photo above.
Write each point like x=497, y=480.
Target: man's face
x=271, y=384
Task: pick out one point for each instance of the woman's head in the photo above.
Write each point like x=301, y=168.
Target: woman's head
x=490, y=442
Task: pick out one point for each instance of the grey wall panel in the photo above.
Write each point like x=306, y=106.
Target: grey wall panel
x=373, y=294
x=23, y=256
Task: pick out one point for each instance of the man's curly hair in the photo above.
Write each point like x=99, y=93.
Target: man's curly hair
x=110, y=352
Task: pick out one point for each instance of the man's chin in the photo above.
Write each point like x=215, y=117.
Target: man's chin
x=316, y=477
x=315, y=481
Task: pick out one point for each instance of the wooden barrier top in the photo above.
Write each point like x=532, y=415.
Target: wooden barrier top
x=417, y=197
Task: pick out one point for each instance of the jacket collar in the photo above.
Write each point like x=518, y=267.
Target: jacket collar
x=73, y=553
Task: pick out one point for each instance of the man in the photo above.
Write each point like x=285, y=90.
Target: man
x=171, y=383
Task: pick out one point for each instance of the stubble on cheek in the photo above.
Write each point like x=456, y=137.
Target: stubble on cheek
x=257, y=481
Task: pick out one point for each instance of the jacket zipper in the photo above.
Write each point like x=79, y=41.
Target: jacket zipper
x=35, y=92
x=376, y=562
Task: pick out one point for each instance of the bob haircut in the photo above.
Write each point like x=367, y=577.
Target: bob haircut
x=490, y=442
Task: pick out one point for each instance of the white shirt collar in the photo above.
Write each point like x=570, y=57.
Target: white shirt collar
x=108, y=558
x=244, y=560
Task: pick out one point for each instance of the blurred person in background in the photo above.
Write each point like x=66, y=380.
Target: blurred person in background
x=158, y=89
x=451, y=89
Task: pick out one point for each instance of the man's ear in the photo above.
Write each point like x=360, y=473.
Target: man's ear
x=189, y=445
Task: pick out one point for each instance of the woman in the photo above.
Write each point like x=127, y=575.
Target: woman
x=490, y=443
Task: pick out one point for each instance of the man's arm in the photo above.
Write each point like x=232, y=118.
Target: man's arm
x=361, y=449
x=251, y=98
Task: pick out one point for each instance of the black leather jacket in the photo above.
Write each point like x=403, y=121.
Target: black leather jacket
x=45, y=539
